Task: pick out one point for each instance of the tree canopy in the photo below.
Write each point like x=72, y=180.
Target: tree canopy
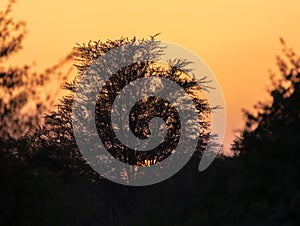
x=272, y=131
x=59, y=131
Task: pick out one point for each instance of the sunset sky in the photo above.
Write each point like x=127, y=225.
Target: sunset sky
x=237, y=39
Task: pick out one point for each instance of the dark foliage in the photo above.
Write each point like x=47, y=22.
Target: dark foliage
x=272, y=131
x=45, y=181
x=58, y=129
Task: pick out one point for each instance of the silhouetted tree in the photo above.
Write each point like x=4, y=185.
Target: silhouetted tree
x=268, y=149
x=24, y=96
x=58, y=129
x=273, y=130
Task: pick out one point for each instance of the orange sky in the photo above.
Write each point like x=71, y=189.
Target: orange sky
x=237, y=39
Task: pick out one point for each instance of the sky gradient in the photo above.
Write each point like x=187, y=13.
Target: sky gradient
x=237, y=39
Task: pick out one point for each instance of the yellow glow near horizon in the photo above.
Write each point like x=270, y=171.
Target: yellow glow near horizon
x=237, y=39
